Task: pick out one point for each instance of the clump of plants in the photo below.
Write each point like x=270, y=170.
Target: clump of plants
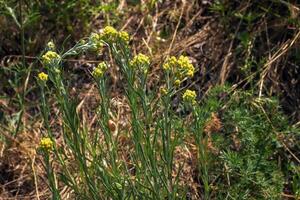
x=258, y=29
x=236, y=150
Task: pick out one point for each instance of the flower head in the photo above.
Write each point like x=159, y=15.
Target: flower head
x=49, y=57
x=43, y=76
x=95, y=37
x=51, y=45
x=124, y=36
x=189, y=96
x=110, y=34
x=46, y=144
x=95, y=40
x=181, y=67
x=187, y=69
x=190, y=72
x=99, y=71
x=110, y=31
x=163, y=91
x=140, y=60
x=170, y=63
x=177, y=82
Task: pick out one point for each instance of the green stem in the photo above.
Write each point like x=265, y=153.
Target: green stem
x=22, y=98
x=22, y=33
x=51, y=177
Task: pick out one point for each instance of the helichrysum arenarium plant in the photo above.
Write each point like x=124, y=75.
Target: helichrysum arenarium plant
x=93, y=170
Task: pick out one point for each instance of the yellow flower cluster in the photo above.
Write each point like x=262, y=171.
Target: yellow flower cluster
x=186, y=66
x=110, y=34
x=140, y=60
x=110, y=31
x=49, y=57
x=189, y=96
x=170, y=63
x=46, y=144
x=43, y=76
x=177, y=82
x=124, y=36
x=96, y=40
x=99, y=71
x=163, y=91
x=181, y=67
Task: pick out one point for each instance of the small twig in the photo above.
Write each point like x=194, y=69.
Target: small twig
x=127, y=23
x=153, y=27
x=36, y=58
x=35, y=178
x=284, y=48
x=289, y=196
x=265, y=68
x=176, y=29
x=138, y=27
